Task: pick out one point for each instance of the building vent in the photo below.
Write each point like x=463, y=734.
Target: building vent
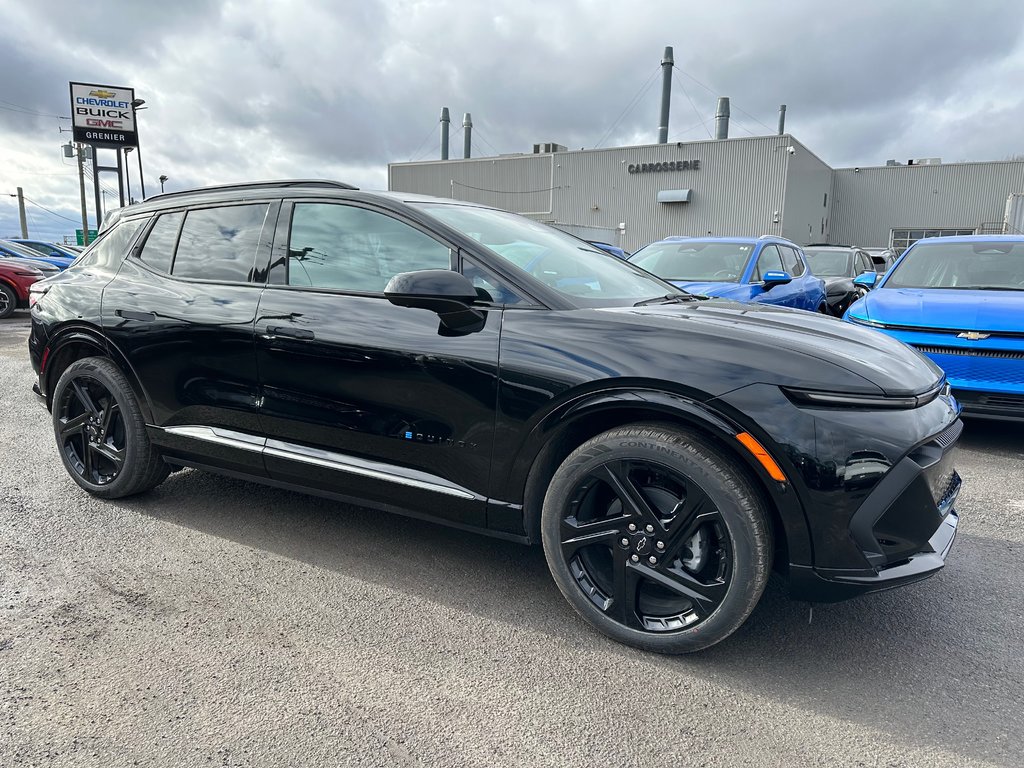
x=926, y=161
x=543, y=149
x=674, y=196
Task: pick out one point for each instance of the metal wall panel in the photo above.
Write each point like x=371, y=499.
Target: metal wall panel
x=736, y=191
x=870, y=202
x=805, y=217
x=520, y=183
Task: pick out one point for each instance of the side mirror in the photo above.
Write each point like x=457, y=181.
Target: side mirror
x=866, y=280
x=442, y=291
x=771, y=279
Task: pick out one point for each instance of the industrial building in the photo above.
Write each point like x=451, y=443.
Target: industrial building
x=631, y=196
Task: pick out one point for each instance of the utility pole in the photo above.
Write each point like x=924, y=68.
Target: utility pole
x=80, y=150
x=21, y=214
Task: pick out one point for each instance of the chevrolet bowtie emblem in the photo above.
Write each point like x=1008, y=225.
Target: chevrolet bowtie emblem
x=973, y=335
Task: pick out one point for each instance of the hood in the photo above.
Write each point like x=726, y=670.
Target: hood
x=721, y=290
x=781, y=346
x=945, y=308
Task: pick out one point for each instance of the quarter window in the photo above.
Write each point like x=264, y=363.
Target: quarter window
x=348, y=248
x=158, y=252
x=109, y=250
x=220, y=243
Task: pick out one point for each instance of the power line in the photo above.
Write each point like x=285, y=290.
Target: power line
x=27, y=111
x=52, y=213
x=629, y=107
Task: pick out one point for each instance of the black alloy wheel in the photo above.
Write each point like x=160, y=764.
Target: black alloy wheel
x=656, y=539
x=8, y=301
x=100, y=431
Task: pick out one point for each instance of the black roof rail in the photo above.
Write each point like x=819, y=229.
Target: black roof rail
x=256, y=185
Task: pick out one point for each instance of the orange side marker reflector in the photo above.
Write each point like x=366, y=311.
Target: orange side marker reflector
x=762, y=456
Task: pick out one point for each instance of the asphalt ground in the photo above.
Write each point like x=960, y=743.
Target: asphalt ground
x=218, y=622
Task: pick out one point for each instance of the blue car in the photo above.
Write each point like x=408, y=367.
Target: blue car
x=45, y=248
x=768, y=270
x=9, y=249
x=960, y=301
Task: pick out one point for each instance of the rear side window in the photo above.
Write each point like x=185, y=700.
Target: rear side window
x=158, y=252
x=220, y=243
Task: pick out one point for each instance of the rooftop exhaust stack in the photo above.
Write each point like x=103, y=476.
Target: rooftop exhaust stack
x=667, y=62
x=467, y=135
x=782, y=119
x=722, y=118
x=445, y=120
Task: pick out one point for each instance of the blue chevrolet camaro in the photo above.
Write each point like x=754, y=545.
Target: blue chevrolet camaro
x=768, y=270
x=960, y=301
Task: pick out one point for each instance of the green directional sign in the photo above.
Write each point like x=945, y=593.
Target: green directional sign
x=81, y=240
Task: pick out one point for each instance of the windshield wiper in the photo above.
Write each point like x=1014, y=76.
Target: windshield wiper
x=988, y=288
x=671, y=298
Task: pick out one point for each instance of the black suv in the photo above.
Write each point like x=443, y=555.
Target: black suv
x=838, y=265
x=471, y=366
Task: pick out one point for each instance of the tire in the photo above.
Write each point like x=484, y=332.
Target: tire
x=698, y=557
x=100, y=432
x=8, y=301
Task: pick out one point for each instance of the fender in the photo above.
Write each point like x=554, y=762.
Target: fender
x=653, y=404
x=78, y=334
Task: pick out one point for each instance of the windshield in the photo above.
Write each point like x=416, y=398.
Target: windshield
x=21, y=249
x=695, y=261
x=829, y=263
x=568, y=265
x=978, y=265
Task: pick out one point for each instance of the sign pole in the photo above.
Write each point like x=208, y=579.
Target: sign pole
x=95, y=185
x=80, y=150
x=21, y=214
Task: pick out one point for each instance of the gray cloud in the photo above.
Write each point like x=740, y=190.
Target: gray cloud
x=265, y=89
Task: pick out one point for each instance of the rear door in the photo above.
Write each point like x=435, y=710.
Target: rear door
x=361, y=397
x=181, y=311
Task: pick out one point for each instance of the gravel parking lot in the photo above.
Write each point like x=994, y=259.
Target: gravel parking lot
x=217, y=622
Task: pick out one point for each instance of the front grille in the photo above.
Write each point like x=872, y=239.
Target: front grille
x=967, y=352
x=949, y=435
x=1004, y=402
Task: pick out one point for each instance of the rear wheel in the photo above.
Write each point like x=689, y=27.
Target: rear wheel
x=656, y=538
x=8, y=301
x=100, y=431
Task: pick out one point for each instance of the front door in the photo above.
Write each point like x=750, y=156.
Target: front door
x=361, y=397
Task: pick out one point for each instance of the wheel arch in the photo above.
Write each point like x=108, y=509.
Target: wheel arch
x=77, y=342
x=566, y=429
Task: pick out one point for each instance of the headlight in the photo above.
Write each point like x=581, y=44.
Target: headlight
x=815, y=398
x=865, y=321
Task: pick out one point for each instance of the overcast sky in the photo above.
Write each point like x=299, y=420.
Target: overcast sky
x=258, y=89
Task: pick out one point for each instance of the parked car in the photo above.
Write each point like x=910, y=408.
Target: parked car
x=614, y=250
x=47, y=249
x=767, y=270
x=960, y=301
x=882, y=258
x=838, y=266
x=16, y=275
x=387, y=348
x=12, y=250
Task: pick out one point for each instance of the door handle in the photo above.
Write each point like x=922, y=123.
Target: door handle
x=131, y=314
x=292, y=333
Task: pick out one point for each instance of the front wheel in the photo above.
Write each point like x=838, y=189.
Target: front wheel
x=100, y=431
x=656, y=538
x=8, y=301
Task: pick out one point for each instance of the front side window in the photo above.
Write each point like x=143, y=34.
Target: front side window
x=829, y=263
x=347, y=248
x=220, y=243
x=769, y=260
x=791, y=261
x=695, y=261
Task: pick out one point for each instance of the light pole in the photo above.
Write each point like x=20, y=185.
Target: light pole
x=163, y=178
x=136, y=106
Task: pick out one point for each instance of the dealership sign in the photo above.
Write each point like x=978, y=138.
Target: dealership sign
x=102, y=115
